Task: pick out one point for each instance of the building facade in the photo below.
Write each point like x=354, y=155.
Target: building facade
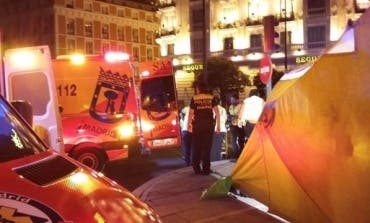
x=193, y=30
x=81, y=26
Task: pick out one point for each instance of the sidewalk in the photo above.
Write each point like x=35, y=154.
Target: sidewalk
x=175, y=196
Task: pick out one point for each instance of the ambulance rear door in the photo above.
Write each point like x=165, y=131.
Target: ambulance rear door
x=29, y=77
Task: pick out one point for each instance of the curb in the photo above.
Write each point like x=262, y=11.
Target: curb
x=143, y=190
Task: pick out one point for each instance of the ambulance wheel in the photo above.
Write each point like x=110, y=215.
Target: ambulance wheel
x=91, y=158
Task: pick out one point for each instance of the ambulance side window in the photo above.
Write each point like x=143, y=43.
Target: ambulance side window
x=34, y=90
x=16, y=139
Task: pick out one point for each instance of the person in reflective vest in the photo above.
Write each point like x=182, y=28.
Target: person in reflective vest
x=202, y=122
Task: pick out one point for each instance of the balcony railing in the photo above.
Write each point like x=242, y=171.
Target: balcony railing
x=221, y=25
x=244, y=22
x=166, y=32
x=295, y=46
x=252, y=21
x=243, y=52
x=161, y=5
x=234, y=52
x=281, y=17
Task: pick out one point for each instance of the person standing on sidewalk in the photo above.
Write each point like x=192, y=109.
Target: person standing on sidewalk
x=250, y=112
x=186, y=135
x=236, y=131
x=202, y=123
x=219, y=138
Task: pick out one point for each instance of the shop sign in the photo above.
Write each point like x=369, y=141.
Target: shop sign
x=305, y=59
x=192, y=67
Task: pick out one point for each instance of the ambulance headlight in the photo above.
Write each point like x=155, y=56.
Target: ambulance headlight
x=126, y=130
x=146, y=126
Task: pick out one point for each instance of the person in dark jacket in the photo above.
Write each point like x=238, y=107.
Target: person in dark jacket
x=202, y=122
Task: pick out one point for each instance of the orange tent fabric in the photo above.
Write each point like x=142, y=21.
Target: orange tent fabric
x=308, y=158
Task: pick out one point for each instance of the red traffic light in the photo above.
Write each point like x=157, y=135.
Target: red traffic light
x=269, y=24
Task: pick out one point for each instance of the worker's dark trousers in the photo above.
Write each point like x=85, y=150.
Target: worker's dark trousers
x=202, y=144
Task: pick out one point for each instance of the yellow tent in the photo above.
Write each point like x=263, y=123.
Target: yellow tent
x=308, y=158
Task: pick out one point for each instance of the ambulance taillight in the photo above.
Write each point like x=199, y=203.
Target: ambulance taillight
x=145, y=73
x=174, y=122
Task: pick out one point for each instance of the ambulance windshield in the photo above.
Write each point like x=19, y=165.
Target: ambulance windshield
x=158, y=96
x=16, y=138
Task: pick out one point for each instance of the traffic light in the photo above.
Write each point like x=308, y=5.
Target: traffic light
x=269, y=24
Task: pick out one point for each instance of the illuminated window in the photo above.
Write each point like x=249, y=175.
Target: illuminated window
x=70, y=26
x=229, y=13
x=120, y=33
x=88, y=29
x=105, y=31
x=149, y=37
x=135, y=35
x=316, y=36
x=89, y=47
x=169, y=21
x=229, y=43
x=256, y=41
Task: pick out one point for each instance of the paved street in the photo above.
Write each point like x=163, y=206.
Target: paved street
x=175, y=196
x=132, y=173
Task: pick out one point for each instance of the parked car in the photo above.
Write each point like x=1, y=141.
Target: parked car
x=40, y=185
